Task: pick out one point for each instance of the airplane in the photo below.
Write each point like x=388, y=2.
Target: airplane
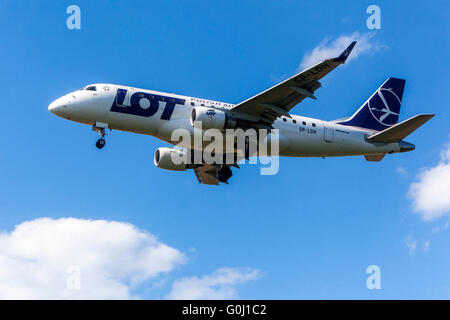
x=372, y=131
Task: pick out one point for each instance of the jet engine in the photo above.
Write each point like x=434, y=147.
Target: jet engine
x=210, y=118
x=170, y=159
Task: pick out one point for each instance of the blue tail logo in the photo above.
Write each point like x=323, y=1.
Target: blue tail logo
x=382, y=109
x=382, y=106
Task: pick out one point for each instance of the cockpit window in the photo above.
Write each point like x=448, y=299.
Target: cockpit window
x=91, y=88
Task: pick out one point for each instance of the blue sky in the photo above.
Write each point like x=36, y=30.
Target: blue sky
x=308, y=232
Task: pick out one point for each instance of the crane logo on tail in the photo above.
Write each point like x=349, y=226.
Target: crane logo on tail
x=385, y=106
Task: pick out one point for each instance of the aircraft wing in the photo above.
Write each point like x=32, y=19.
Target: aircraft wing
x=263, y=108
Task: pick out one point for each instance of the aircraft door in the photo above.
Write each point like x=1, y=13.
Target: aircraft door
x=328, y=132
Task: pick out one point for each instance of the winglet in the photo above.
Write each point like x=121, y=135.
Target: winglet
x=344, y=55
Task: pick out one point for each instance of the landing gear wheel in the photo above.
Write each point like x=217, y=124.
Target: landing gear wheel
x=100, y=143
x=224, y=174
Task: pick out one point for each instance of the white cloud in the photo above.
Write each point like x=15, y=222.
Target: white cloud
x=219, y=285
x=402, y=171
x=426, y=245
x=441, y=228
x=411, y=245
x=113, y=258
x=332, y=48
x=431, y=192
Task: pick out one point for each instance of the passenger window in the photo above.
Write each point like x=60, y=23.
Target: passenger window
x=304, y=123
x=91, y=88
x=313, y=124
x=192, y=104
x=284, y=119
x=294, y=121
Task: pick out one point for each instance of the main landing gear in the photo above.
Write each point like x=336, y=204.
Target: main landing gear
x=100, y=128
x=224, y=174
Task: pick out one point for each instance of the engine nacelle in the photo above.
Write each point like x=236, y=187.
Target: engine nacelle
x=164, y=159
x=210, y=118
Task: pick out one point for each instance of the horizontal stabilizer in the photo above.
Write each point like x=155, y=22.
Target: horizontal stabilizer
x=401, y=130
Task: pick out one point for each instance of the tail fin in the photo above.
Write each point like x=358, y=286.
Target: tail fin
x=381, y=110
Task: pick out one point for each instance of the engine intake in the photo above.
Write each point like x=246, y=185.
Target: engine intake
x=210, y=118
x=164, y=159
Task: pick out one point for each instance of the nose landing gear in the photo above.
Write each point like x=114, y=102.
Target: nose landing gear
x=100, y=143
x=100, y=128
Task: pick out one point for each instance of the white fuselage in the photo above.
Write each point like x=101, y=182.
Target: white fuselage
x=299, y=136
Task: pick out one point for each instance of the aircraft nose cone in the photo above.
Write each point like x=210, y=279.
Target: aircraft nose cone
x=52, y=107
x=56, y=107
